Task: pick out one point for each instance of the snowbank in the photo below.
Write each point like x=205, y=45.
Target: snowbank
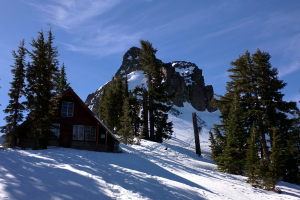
x=168, y=171
x=148, y=171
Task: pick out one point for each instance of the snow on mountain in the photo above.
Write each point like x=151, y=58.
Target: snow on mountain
x=98, y=93
x=185, y=70
x=136, y=79
x=184, y=82
x=101, y=87
x=183, y=127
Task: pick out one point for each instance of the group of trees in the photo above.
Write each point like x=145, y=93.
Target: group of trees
x=37, y=81
x=259, y=131
x=259, y=134
x=142, y=112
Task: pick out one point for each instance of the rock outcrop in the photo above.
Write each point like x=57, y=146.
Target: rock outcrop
x=184, y=81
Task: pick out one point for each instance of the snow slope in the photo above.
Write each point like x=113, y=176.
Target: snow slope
x=136, y=79
x=170, y=170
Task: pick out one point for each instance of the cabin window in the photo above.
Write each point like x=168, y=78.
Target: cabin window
x=102, y=136
x=78, y=132
x=55, y=129
x=90, y=133
x=67, y=109
x=87, y=133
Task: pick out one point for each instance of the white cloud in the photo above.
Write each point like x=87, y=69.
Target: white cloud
x=89, y=36
x=68, y=14
x=289, y=69
x=104, y=41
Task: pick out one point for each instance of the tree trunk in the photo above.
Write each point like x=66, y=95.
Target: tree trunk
x=145, y=116
x=264, y=146
x=196, y=134
x=151, y=119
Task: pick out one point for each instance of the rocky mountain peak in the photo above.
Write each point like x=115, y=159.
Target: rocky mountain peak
x=184, y=81
x=188, y=71
x=130, y=61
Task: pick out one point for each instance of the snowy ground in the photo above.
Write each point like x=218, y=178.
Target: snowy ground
x=150, y=171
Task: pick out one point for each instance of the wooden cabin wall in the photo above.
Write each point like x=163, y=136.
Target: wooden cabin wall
x=82, y=116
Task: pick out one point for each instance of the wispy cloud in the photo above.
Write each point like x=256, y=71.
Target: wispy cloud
x=88, y=33
x=68, y=14
x=104, y=41
x=289, y=69
x=229, y=28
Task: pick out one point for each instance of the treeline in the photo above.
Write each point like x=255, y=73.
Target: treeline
x=259, y=134
x=37, y=80
x=141, y=113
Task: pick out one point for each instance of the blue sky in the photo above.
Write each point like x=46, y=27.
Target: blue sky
x=93, y=35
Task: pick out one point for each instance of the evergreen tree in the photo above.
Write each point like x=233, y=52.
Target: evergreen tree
x=145, y=115
x=271, y=176
x=15, y=107
x=256, y=84
x=149, y=61
x=53, y=63
x=111, y=104
x=155, y=100
x=252, y=158
x=216, y=142
x=232, y=158
x=62, y=84
x=106, y=107
x=41, y=76
x=135, y=111
x=292, y=152
x=126, y=131
x=120, y=109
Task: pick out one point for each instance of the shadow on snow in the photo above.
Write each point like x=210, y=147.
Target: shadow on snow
x=72, y=174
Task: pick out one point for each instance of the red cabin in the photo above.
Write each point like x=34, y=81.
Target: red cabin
x=76, y=126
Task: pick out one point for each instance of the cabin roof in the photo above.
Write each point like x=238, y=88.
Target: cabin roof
x=70, y=90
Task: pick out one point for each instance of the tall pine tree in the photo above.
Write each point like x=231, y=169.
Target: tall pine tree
x=149, y=61
x=256, y=84
x=62, y=83
x=145, y=115
x=111, y=103
x=126, y=131
x=156, y=99
x=41, y=75
x=232, y=159
x=15, y=107
x=135, y=104
x=252, y=158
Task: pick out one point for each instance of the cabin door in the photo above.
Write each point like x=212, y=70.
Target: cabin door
x=66, y=136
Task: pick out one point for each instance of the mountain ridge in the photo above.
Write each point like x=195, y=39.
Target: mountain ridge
x=184, y=80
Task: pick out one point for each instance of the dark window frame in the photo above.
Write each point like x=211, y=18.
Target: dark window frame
x=55, y=129
x=84, y=133
x=67, y=109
